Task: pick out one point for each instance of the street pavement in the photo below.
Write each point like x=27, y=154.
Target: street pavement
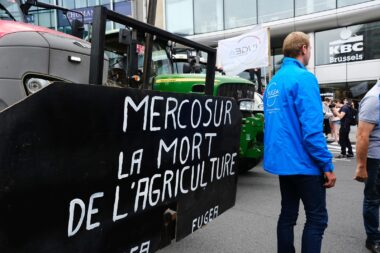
x=250, y=226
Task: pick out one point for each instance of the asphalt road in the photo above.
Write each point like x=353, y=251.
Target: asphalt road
x=250, y=226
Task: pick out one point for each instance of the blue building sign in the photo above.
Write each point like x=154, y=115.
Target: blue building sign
x=124, y=8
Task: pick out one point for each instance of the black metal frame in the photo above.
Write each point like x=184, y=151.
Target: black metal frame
x=102, y=14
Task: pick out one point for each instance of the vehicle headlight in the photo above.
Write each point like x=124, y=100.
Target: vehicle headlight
x=35, y=84
x=247, y=105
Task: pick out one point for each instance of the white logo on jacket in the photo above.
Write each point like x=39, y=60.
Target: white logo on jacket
x=272, y=93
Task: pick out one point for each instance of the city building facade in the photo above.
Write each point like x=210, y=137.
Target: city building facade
x=345, y=34
x=55, y=20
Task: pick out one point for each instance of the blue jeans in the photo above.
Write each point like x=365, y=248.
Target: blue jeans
x=310, y=190
x=371, y=201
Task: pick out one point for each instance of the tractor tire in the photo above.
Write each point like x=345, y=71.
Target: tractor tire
x=246, y=164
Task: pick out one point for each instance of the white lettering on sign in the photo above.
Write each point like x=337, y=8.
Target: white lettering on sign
x=205, y=218
x=143, y=248
x=153, y=113
x=135, y=162
x=129, y=101
x=339, y=49
x=73, y=204
x=115, y=215
x=170, y=111
x=246, y=45
x=90, y=212
x=222, y=166
x=220, y=112
x=189, y=158
x=339, y=59
x=185, y=147
x=347, y=48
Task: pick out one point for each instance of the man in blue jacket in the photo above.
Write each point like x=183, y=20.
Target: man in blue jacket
x=295, y=148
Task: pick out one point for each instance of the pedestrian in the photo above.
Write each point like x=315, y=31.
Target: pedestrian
x=327, y=114
x=345, y=113
x=295, y=147
x=368, y=164
x=335, y=121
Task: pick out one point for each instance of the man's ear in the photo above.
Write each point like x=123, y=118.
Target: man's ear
x=303, y=50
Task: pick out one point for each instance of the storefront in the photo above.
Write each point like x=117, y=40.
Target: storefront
x=347, y=60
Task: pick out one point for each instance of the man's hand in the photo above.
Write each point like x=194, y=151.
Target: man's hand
x=361, y=174
x=362, y=142
x=330, y=179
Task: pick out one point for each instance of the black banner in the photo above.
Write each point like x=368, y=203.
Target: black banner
x=95, y=169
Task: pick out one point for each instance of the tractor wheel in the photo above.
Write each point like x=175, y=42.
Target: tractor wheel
x=246, y=164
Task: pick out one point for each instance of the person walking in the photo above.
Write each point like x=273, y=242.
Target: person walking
x=368, y=164
x=295, y=147
x=335, y=121
x=327, y=114
x=345, y=115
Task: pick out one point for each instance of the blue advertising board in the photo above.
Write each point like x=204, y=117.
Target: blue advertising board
x=124, y=8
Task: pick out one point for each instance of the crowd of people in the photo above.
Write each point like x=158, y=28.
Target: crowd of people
x=338, y=117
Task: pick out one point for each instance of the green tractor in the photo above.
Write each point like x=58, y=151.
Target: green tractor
x=174, y=71
x=184, y=71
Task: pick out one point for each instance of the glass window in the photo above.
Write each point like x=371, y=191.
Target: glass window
x=277, y=59
x=208, y=16
x=306, y=7
x=179, y=10
x=48, y=1
x=236, y=16
x=109, y=25
x=69, y=4
x=354, y=90
x=322, y=45
x=371, y=34
x=13, y=9
x=80, y=3
x=44, y=19
x=124, y=8
x=274, y=10
x=353, y=43
x=118, y=26
x=342, y=3
x=93, y=2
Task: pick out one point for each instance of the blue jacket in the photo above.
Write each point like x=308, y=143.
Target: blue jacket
x=294, y=142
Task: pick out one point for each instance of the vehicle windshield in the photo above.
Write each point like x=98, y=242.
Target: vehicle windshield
x=10, y=10
x=259, y=103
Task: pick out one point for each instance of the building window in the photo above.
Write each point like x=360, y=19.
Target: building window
x=44, y=19
x=69, y=4
x=342, y=3
x=48, y=1
x=354, y=90
x=277, y=59
x=208, y=16
x=238, y=13
x=179, y=17
x=371, y=32
x=348, y=44
x=311, y=6
x=93, y=2
x=80, y=3
x=273, y=10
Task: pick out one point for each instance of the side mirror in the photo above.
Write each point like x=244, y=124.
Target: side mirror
x=77, y=28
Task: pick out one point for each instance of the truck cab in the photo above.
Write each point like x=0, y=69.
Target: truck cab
x=34, y=56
